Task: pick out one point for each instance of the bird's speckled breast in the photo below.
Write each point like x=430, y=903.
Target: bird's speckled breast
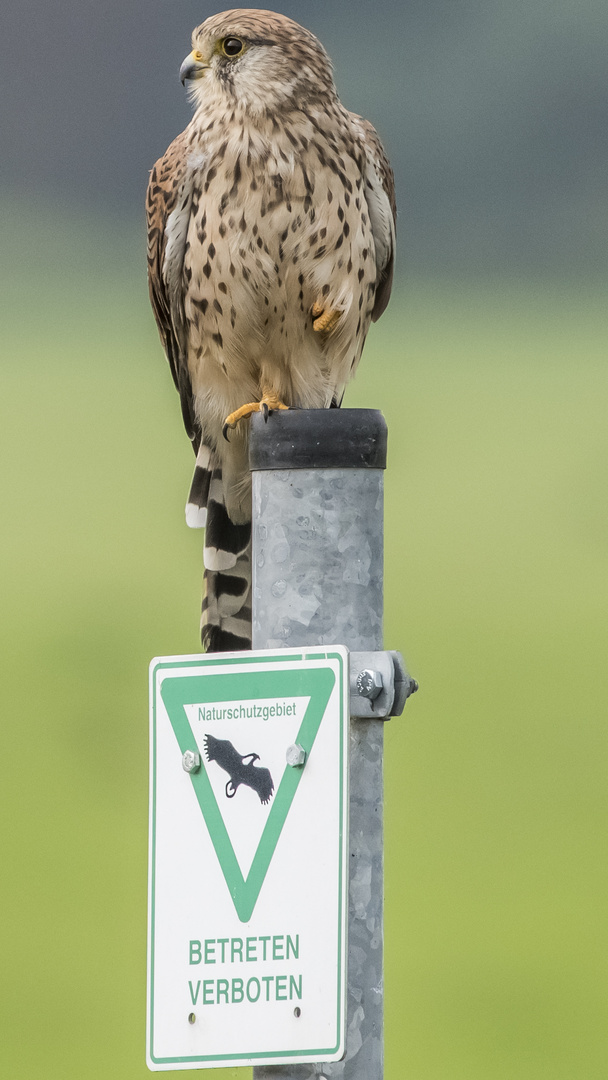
x=278, y=222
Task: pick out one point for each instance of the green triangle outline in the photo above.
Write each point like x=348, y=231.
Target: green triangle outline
x=315, y=683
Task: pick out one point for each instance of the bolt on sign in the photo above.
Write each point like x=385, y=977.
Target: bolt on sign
x=248, y=858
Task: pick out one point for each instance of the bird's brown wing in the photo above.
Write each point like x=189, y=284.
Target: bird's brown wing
x=168, y=203
x=226, y=616
x=380, y=197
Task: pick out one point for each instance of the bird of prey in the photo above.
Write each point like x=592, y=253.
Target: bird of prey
x=271, y=236
x=241, y=770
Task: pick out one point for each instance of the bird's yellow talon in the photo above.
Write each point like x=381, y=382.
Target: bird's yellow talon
x=324, y=319
x=268, y=403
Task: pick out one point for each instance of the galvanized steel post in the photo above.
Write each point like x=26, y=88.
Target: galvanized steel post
x=318, y=579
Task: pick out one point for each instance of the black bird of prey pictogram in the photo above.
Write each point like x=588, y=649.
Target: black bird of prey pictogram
x=240, y=769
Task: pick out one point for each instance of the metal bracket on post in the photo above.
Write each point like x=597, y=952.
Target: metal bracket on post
x=379, y=685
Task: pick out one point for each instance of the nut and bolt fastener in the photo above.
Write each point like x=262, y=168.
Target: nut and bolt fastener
x=295, y=755
x=191, y=761
x=369, y=684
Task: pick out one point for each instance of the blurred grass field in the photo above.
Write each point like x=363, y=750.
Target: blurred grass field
x=496, y=583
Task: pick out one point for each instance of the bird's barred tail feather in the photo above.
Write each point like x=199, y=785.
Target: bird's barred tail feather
x=226, y=608
x=196, y=507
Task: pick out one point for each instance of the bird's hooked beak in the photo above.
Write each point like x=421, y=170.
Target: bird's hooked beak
x=193, y=67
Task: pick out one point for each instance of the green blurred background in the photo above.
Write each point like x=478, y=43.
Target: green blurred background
x=490, y=367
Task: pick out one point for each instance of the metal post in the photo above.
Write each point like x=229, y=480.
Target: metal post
x=318, y=579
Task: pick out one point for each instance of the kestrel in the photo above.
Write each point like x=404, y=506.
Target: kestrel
x=271, y=236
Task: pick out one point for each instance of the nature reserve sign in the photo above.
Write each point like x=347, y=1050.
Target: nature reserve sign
x=247, y=870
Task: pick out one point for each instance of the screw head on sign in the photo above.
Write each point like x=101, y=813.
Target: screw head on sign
x=369, y=683
x=295, y=755
x=191, y=761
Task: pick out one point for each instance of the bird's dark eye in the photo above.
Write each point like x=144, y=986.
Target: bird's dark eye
x=232, y=46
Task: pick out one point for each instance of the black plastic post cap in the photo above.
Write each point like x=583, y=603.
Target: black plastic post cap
x=318, y=439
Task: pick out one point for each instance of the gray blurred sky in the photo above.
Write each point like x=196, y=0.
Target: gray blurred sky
x=494, y=114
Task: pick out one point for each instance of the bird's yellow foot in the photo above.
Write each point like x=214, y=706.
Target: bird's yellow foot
x=324, y=319
x=268, y=403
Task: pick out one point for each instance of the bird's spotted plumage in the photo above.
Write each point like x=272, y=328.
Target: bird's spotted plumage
x=271, y=228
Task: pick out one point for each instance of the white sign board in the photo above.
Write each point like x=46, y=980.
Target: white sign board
x=248, y=858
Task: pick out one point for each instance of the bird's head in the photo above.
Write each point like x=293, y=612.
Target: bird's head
x=259, y=60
